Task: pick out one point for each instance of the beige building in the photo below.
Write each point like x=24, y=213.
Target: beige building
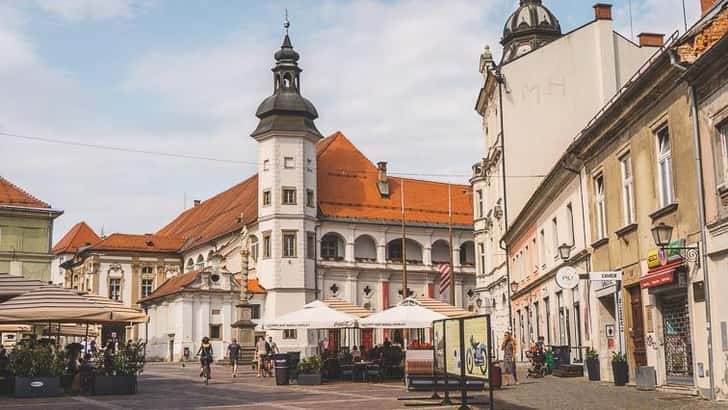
x=547, y=85
x=26, y=231
x=704, y=53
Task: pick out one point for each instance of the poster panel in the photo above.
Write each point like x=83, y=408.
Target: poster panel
x=475, y=331
x=439, y=346
x=452, y=343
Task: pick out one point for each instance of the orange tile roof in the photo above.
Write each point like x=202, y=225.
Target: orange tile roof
x=216, y=216
x=12, y=195
x=347, y=188
x=142, y=243
x=79, y=235
x=173, y=285
x=255, y=287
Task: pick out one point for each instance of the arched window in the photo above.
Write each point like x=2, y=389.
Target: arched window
x=365, y=249
x=209, y=255
x=440, y=252
x=200, y=262
x=190, y=264
x=414, y=251
x=332, y=246
x=286, y=80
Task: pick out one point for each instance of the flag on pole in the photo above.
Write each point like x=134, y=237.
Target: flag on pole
x=445, y=276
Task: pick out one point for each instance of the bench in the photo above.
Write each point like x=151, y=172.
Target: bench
x=438, y=383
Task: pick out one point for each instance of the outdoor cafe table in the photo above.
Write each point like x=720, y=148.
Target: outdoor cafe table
x=362, y=367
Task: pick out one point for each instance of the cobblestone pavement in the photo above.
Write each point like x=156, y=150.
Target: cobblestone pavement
x=164, y=386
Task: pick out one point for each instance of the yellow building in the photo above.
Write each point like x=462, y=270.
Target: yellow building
x=26, y=230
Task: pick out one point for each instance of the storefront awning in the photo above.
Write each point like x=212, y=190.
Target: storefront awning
x=660, y=276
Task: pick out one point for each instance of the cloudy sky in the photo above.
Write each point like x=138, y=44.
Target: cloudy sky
x=185, y=77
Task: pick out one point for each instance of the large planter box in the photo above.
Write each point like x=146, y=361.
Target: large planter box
x=621, y=373
x=309, y=379
x=38, y=387
x=115, y=385
x=592, y=367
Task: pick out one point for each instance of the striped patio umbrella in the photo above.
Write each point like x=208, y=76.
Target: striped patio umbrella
x=117, y=310
x=52, y=304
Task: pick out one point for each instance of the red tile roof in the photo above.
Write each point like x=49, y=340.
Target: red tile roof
x=347, y=188
x=216, y=216
x=255, y=287
x=173, y=285
x=12, y=195
x=142, y=243
x=79, y=235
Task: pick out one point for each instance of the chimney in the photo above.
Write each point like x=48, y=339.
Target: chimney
x=706, y=5
x=196, y=202
x=382, y=179
x=651, y=39
x=602, y=11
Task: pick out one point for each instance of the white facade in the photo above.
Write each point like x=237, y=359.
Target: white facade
x=548, y=95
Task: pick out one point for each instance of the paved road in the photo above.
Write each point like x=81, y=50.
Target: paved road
x=172, y=387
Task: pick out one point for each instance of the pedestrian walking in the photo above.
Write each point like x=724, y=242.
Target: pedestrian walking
x=509, y=361
x=234, y=356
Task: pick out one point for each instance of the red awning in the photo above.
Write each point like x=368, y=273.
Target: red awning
x=660, y=276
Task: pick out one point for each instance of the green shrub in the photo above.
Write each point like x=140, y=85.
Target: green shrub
x=32, y=359
x=591, y=353
x=311, y=365
x=618, y=357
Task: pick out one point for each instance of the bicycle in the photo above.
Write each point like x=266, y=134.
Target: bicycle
x=206, y=371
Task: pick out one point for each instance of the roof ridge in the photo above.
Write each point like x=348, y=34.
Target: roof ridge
x=24, y=191
x=340, y=135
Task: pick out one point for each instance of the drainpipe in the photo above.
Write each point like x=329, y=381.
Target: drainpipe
x=701, y=215
x=499, y=79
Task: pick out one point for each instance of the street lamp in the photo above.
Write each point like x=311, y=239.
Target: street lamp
x=662, y=234
x=564, y=251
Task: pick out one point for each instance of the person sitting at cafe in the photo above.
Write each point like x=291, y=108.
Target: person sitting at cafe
x=355, y=354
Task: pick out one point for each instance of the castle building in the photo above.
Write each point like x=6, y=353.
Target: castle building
x=321, y=220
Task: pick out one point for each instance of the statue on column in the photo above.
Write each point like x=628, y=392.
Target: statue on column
x=244, y=324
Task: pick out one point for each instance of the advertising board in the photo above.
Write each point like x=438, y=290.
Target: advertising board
x=439, y=346
x=475, y=331
x=452, y=344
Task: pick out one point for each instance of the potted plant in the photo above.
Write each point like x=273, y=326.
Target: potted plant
x=118, y=375
x=620, y=369
x=37, y=369
x=309, y=371
x=592, y=364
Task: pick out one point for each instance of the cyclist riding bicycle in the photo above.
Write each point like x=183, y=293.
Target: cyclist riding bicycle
x=205, y=353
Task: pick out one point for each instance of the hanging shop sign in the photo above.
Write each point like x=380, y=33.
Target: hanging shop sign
x=567, y=278
x=605, y=276
x=662, y=256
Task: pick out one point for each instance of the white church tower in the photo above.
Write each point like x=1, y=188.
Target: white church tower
x=287, y=137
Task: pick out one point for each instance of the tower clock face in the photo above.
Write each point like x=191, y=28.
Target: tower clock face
x=523, y=49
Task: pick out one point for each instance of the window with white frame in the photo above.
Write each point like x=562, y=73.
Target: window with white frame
x=542, y=247
x=266, y=197
x=723, y=136
x=664, y=165
x=601, y=207
x=266, y=245
x=147, y=287
x=288, y=162
x=289, y=196
x=253, y=248
x=479, y=203
x=555, y=236
x=266, y=165
x=289, y=244
x=115, y=288
x=481, y=251
x=570, y=223
x=627, y=189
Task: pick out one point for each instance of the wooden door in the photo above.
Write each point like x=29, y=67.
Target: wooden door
x=638, y=328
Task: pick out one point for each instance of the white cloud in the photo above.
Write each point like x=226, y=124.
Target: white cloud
x=77, y=10
x=656, y=16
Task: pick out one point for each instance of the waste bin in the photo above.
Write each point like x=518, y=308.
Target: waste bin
x=281, y=366
x=561, y=355
x=496, y=376
x=293, y=359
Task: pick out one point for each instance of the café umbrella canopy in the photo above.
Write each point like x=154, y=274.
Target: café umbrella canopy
x=118, y=312
x=409, y=314
x=51, y=304
x=314, y=315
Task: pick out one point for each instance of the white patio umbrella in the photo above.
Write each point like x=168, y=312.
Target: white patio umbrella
x=314, y=315
x=407, y=315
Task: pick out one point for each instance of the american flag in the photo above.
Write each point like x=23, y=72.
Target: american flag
x=445, y=276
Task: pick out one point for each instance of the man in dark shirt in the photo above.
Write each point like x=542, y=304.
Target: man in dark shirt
x=234, y=355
